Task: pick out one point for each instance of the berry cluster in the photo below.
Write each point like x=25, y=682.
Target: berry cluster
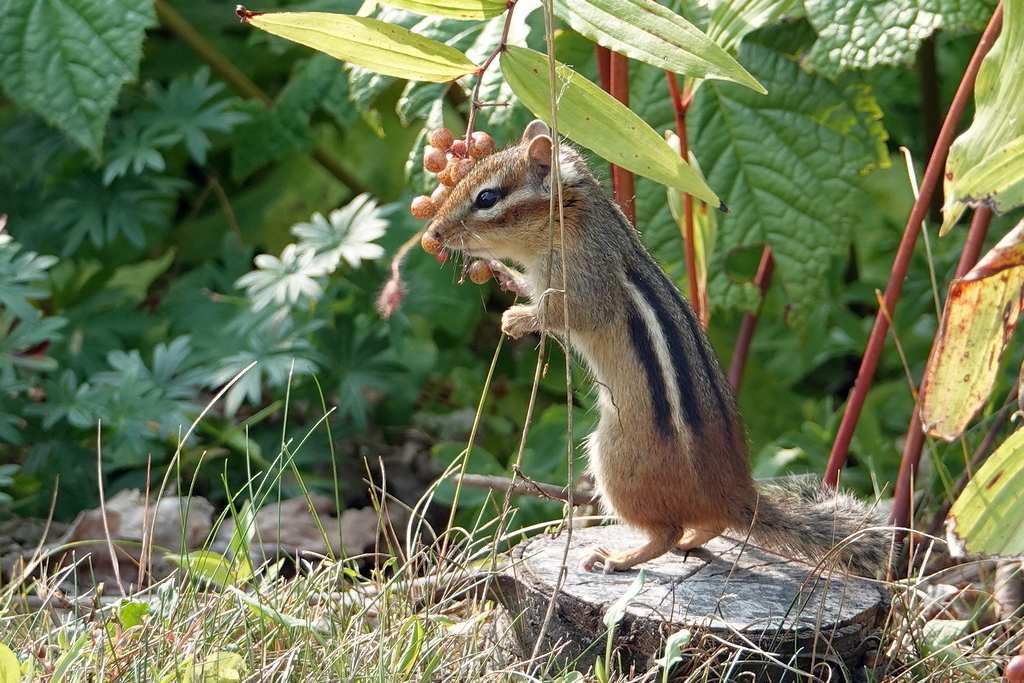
x=451, y=160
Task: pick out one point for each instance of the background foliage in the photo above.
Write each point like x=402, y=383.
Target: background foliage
x=206, y=197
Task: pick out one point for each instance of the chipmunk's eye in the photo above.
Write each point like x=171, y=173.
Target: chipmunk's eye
x=486, y=199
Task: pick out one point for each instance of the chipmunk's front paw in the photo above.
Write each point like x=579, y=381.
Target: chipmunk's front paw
x=519, y=320
x=598, y=555
x=509, y=279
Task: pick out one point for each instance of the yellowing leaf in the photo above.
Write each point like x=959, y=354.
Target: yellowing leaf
x=375, y=45
x=459, y=9
x=593, y=118
x=651, y=33
x=985, y=161
x=977, y=323
x=10, y=670
x=988, y=514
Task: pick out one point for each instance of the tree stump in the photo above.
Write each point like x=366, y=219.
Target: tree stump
x=747, y=610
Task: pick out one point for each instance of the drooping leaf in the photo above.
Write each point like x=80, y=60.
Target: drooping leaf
x=977, y=324
x=988, y=514
x=986, y=164
x=651, y=33
x=731, y=20
x=859, y=34
x=459, y=9
x=788, y=166
x=67, y=59
x=369, y=43
x=593, y=118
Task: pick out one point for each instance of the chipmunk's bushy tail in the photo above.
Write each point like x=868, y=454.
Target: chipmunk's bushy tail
x=820, y=525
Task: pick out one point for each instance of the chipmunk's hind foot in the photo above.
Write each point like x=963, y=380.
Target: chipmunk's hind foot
x=619, y=562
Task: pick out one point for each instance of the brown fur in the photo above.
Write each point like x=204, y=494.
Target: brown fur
x=671, y=464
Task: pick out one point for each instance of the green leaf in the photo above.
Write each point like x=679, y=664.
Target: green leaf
x=593, y=118
x=209, y=566
x=617, y=610
x=375, y=45
x=460, y=9
x=986, y=163
x=788, y=165
x=644, y=30
x=978, y=321
x=731, y=20
x=858, y=34
x=67, y=59
x=988, y=514
x=10, y=669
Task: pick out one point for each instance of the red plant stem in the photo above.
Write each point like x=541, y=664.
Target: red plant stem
x=680, y=105
x=901, y=514
x=749, y=324
x=975, y=240
x=622, y=180
x=604, y=68
x=932, y=173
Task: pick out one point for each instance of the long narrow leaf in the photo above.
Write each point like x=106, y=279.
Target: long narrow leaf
x=375, y=45
x=651, y=33
x=593, y=118
x=459, y=9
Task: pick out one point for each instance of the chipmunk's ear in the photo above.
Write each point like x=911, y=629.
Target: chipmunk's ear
x=539, y=154
x=536, y=127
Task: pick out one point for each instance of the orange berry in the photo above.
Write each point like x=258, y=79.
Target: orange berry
x=422, y=207
x=431, y=244
x=483, y=145
x=434, y=159
x=459, y=148
x=460, y=170
x=1014, y=671
x=445, y=176
x=441, y=139
x=438, y=196
x=480, y=272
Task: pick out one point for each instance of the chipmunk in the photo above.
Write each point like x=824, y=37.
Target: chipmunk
x=669, y=452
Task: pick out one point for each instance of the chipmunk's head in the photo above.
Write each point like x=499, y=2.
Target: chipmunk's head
x=500, y=209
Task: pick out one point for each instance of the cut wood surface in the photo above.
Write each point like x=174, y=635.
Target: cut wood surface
x=728, y=594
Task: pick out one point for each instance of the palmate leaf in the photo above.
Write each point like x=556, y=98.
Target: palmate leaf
x=651, y=33
x=369, y=43
x=67, y=59
x=986, y=163
x=593, y=118
x=859, y=34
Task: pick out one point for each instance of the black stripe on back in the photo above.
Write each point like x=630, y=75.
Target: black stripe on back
x=677, y=351
x=710, y=362
x=640, y=337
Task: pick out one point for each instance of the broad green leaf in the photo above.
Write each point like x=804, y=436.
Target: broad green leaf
x=593, y=118
x=731, y=20
x=987, y=159
x=375, y=45
x=460, y=9
x=859, y=34
x=10, y=669
x=977, y=324
x=220, y=666
x=988, y=514
x=651, y=33
x=67, y=59
x=788, y=166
